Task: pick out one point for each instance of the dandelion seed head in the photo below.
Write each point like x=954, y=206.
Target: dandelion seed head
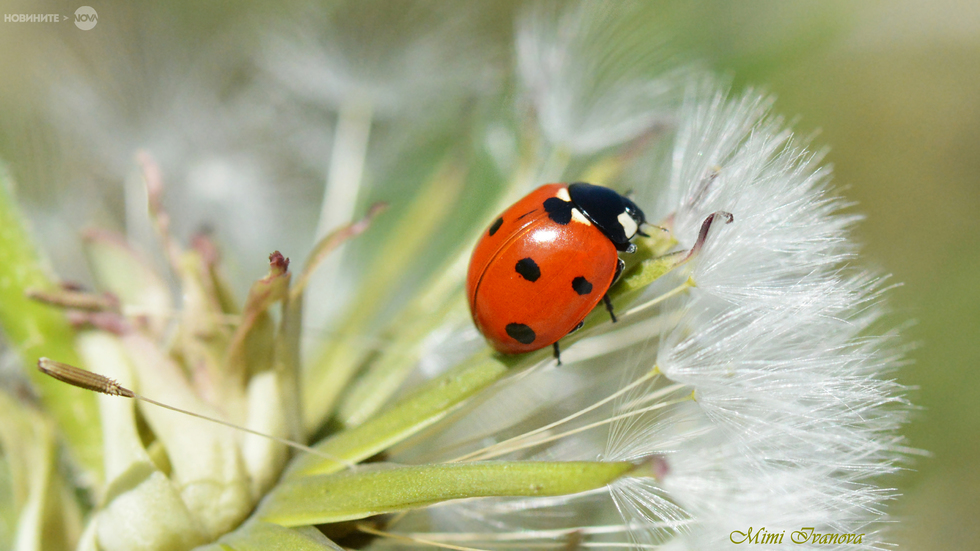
x=587, y=70
x=776, y=340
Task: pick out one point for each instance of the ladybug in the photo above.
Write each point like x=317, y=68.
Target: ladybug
x=546, y=262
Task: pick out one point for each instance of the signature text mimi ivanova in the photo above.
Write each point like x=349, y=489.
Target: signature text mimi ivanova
x=801, y=536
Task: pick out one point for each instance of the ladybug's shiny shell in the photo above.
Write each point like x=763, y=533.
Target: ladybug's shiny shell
x=546, y=262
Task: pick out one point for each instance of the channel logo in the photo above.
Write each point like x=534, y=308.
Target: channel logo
x=86, y=18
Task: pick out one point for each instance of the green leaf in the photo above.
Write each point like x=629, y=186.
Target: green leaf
x=36, y=330
x=428, y=404
x=264, y=458
x=123, y=447
x=376, y=490
x=8, y=508
x=251, y=349
x=321, y=381
x=48, y=516
x=386, y=374
x=203, y=335
x=142, y=507
x=119, y=269
x=286, y=367
x=264, y=536
x=337, y=362
x=207, y=466
x=150, y=514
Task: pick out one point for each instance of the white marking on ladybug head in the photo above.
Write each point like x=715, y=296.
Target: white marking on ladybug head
x=579, y=217
x=629, y=225
x=563, y=194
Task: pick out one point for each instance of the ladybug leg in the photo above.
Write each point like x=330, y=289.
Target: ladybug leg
x=557, y=352
x=609, y=306
x=605, y=298
x=576, y=328
x=619, y=271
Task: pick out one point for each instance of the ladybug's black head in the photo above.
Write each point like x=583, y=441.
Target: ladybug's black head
x=615, y=215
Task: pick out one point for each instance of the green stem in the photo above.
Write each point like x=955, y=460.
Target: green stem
x=359, y=494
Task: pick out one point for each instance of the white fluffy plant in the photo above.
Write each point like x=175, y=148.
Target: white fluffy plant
x=796, y=416
x=744, y=386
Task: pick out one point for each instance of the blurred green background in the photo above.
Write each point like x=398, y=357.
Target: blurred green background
x=892, y=87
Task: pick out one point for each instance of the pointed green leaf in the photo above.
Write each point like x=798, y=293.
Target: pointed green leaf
x=48, y=515
x=204, y=335
x=119, y=269
x=427, y=405
x=252, y=345
x=374, y=490
x=36, y=330
x=370, y=392
x=149, y=514
x=264, y=536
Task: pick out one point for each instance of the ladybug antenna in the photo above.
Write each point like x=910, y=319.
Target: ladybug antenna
x=645, y=234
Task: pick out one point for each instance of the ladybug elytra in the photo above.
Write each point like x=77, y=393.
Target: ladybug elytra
x=546, y=262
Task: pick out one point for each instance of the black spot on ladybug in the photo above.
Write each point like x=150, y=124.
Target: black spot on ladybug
x=521, y=333
x=559, y=211
x=496, y=226
x=526, y=214
x=581, y=285
x=528, y=269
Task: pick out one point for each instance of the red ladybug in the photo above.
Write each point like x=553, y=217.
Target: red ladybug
x=546, y=262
